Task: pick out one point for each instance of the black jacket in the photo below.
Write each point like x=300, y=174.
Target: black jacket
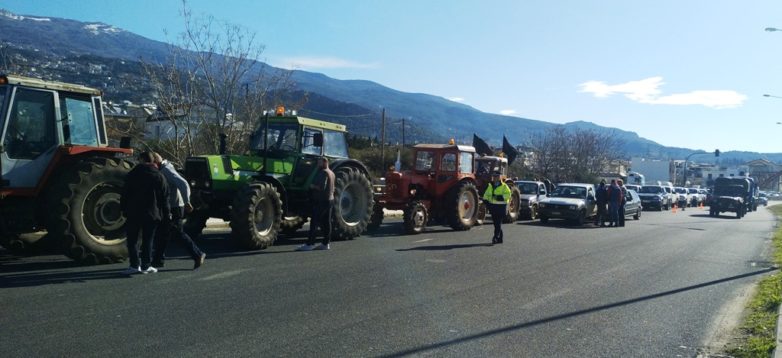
x=145, y=195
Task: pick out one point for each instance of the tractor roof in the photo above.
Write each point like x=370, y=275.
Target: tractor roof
x=462, y=148
x=317, y=123
x=492, y=158
x=52, y=85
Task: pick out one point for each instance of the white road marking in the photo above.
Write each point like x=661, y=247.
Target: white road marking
x=222, y=275
x=424, y=240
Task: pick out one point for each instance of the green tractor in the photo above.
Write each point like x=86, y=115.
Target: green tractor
x=267, y=192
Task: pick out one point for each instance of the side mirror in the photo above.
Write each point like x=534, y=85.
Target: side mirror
x=317, y=139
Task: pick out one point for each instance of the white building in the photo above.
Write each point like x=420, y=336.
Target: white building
x=653, y=169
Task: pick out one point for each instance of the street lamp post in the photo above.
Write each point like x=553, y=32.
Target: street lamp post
x=684, y=181
x=772, y=29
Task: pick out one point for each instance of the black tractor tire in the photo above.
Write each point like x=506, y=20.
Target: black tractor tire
x=195, y=223
x=291, y=224
x=353, y=206
x=377, y=218
x=256, y=216
x=513, y=206
x=461, y=205
x=86, y=219
x=480, y=217
x=415, y=217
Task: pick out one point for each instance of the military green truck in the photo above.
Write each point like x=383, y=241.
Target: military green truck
x=267, y=191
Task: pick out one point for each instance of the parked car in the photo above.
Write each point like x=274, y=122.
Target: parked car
x=531, y=193
x=654, y=196
x=571, y=201
x=633, y=205
x=696, y=196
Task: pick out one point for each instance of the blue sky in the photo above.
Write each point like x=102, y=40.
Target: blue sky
x=682, y=73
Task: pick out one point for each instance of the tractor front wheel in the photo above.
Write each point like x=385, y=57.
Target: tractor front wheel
x=256, y=217
x=513, y=206
x=480, y=217
x=415, y=217
x=86, y=216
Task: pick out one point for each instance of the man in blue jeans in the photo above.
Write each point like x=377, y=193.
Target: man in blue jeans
x=144, y=202
x=179, y=199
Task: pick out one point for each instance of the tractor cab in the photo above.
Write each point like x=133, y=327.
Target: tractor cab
x=36, y=118
x=485, y=166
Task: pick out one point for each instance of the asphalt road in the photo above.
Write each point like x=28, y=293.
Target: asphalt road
x=662, y=286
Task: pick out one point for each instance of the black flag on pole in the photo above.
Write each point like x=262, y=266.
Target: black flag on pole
x=480, y=146
x=509, y=150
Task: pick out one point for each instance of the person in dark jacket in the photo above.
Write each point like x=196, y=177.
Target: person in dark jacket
x=144, y=202
x=601, y=200
x=322, y=193
x=614, y=200
x=179, y=200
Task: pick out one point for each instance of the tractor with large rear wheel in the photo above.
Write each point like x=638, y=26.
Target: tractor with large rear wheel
x=60, y=182
x=440, y=188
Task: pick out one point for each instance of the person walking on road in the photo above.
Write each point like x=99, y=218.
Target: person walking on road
x=144, y=202
x=322, y=193
x=179, y=200
x=601, y=200
x=614, y=199
x=497, y=196
x=622, y=202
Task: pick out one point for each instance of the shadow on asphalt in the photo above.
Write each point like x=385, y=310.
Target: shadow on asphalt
x=563, y=224
x=486, y=334
x=444, y=247
x=397, y=229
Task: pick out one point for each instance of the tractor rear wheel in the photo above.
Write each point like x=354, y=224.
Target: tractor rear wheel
x=86, y=216
x=291, y=224
x=462, y=206
x=256, y=217
x=415, y=217
x=513, y=206
x=353, y=205
x=376, y=219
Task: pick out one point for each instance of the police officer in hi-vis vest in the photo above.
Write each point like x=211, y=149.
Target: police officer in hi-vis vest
x=496, y=197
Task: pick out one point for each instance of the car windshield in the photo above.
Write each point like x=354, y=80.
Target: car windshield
x=693, y=191
x=729, y=190
x=651, y=190
x=566, y=191
x=528, y=188
x=681, y=190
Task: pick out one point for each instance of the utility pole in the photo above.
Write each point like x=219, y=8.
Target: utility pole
x=383, y=139
x=403, y=133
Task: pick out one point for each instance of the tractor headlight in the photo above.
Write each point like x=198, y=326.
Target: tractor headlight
x=192, y=183
x=412, y=192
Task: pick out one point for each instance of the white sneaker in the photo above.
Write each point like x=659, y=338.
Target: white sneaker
x=305, y=247
x=323, y=247
x=149, y=270
x=131, y=271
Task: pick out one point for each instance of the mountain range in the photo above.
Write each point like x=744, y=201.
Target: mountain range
x=57, y=45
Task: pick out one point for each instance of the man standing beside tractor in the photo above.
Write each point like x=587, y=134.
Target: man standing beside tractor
x=322, y=190
x=496, y=196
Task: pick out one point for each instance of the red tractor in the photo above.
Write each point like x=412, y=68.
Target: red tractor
x=441, y=188
x=57, y=173
x=484, y=167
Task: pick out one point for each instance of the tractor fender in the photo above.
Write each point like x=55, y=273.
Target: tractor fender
x=352, y=163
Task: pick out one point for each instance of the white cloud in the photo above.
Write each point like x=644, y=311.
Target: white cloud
x=648, y=91
x=508, y=112
x=326, y=62
x=456, y=99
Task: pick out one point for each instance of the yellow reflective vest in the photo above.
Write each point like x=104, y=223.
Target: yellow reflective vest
x=493, y=195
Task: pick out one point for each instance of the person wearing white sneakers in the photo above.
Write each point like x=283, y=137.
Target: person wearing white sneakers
x=144, y=202
x=322, y=192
